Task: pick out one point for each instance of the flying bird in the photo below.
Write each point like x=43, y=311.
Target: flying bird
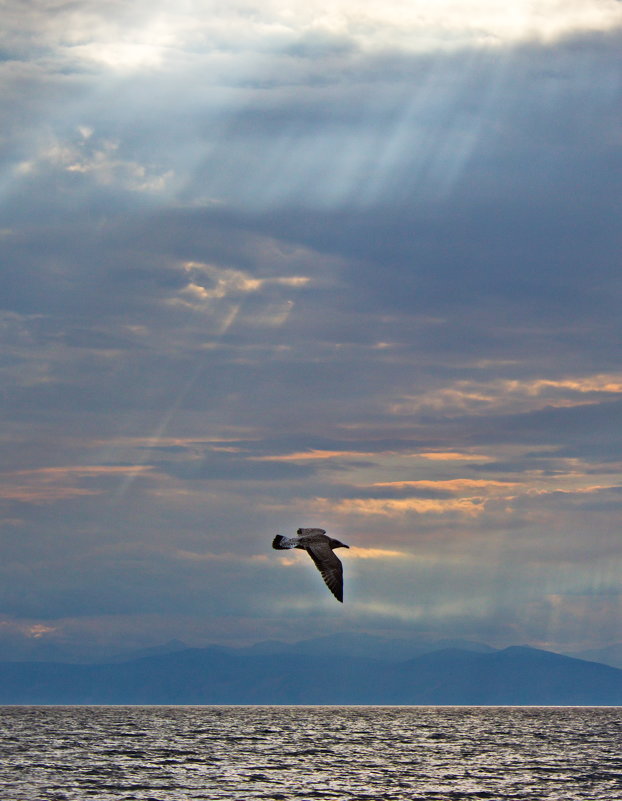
x=320, y=548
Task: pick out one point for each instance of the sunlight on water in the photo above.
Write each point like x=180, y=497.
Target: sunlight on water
x=376, y=753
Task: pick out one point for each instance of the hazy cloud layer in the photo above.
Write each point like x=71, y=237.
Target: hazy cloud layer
x=349, y=267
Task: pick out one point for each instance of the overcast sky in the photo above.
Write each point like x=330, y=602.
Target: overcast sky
x=353, y=265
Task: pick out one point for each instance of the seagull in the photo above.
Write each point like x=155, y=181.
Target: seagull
x=320, y=548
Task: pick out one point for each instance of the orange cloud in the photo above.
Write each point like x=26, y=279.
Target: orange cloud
x=49, y=484
x=452, y=485
x=313, y=454
x=26, y=494
x=572, y=491
x=31, y=630
x=194, y=556
x=392, y=507
x=376, y=553
x=39, y=630
x=512, y=394
x=451, y=456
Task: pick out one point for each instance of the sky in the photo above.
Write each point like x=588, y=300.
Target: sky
x=353, y=265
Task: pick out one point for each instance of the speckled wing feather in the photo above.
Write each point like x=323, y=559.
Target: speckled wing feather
x=329, y=566
x=310, y=532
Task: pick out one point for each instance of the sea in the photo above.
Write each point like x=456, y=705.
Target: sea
x=287, y=753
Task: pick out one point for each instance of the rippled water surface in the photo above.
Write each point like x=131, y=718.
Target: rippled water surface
x=376, y=753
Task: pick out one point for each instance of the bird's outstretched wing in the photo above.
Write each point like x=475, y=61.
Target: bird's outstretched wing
x=329, y=566
x=310, y=532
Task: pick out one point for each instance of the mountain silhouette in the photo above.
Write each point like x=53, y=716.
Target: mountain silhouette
x=517, y=675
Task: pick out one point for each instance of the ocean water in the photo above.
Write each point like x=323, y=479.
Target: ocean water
x=377, y=753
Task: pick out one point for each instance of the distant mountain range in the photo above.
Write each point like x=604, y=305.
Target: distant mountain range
x=29, y=649
x=611, y=655
x=343, y=669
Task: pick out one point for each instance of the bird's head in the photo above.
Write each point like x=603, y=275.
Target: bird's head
x=336, y=544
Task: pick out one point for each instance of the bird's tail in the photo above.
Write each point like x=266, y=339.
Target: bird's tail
x=281, y=543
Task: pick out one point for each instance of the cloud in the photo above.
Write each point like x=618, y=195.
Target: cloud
x=452, y=486
x=390, y=507
x=139, y=36
x=375, y=553
x=514, y=394
x=452, y=456
x=98, y=159
x=49, y=484
x=315, y=454
x=355, y=267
